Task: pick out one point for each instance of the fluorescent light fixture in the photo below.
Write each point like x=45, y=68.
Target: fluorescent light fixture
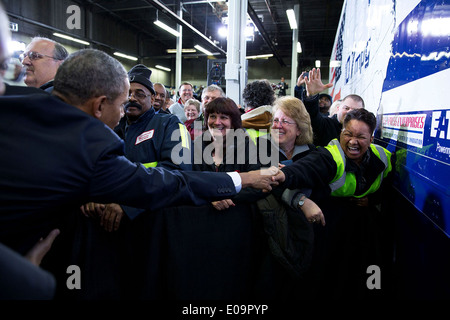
x=162, y=68
x=203, y=50
x=291, y=17
x=223, y=32
x=167, y=28
x=299, y=47
x=56, y=34
x=317, y=63
x=335, y=64
x=182, y=50
x=125, y=56
x=261, y=56
x=249, y=31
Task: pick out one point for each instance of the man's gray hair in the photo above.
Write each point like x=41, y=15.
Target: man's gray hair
x=90, y=73
x=59, y=53
x=213, y=87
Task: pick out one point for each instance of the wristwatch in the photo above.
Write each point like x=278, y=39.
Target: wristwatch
x=301, y=202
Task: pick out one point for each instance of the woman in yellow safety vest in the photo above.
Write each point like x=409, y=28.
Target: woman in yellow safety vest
x=353, y=249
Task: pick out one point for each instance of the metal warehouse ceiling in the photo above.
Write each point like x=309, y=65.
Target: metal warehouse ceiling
x=317, y=25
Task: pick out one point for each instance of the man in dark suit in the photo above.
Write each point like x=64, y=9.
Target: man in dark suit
x=21, y=278
x=58, y=155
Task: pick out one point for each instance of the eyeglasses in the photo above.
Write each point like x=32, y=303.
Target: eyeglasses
x=283, y=122
x=139, y=95
x=33, y=55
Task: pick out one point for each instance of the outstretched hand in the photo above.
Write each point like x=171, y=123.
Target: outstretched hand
x=40, y=249
x=302, y=79
x=314, y=84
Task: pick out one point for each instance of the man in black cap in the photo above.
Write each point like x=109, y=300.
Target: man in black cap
x=149, y=136
x=325, y=102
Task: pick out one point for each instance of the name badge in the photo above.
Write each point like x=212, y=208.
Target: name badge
x=144, y=136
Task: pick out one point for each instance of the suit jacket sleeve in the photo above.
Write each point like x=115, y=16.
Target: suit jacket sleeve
x=117, y=180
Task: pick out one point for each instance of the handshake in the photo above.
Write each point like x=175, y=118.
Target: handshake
x=262, y=179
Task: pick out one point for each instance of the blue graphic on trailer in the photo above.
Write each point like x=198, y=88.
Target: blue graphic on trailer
x=421, y=48
x=421, y=44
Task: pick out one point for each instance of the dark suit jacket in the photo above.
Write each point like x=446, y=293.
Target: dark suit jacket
x=55, y=158
x=12, y=90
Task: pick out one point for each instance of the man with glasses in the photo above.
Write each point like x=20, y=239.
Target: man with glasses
x=42, y=58
x=186, y=92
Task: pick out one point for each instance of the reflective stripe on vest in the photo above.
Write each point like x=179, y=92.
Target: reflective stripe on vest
x=150, y=164
x=184, y=134
x=253, y=134
x=343, y=184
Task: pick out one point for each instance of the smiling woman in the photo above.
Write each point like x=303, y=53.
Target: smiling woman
x=356, y=135
x=225, y=147
x=291, y=126
x=356, y=174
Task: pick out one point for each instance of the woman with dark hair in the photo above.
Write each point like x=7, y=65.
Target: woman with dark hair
x=258, y=99
x=224, y=144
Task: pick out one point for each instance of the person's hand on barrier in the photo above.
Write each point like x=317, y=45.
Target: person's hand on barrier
x=112, y=215
x=223, y=204
x=93, y=210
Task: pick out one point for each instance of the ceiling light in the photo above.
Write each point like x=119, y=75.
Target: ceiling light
x=125, y=56
x=162, y=68
x=71, y=38
x=261, y=56
x=249, y=31
x=291, y=17
x=167, y=28
x=317, y=63
x=335, y=64
x=183, y=50
x=299, y=47
x=203, y=50
x=223, y=32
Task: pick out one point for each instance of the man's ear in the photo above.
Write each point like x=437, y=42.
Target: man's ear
x=97, y=106
x=153, y=99
x=371, y=139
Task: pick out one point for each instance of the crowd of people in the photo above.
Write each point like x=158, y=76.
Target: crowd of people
x=102, y=170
